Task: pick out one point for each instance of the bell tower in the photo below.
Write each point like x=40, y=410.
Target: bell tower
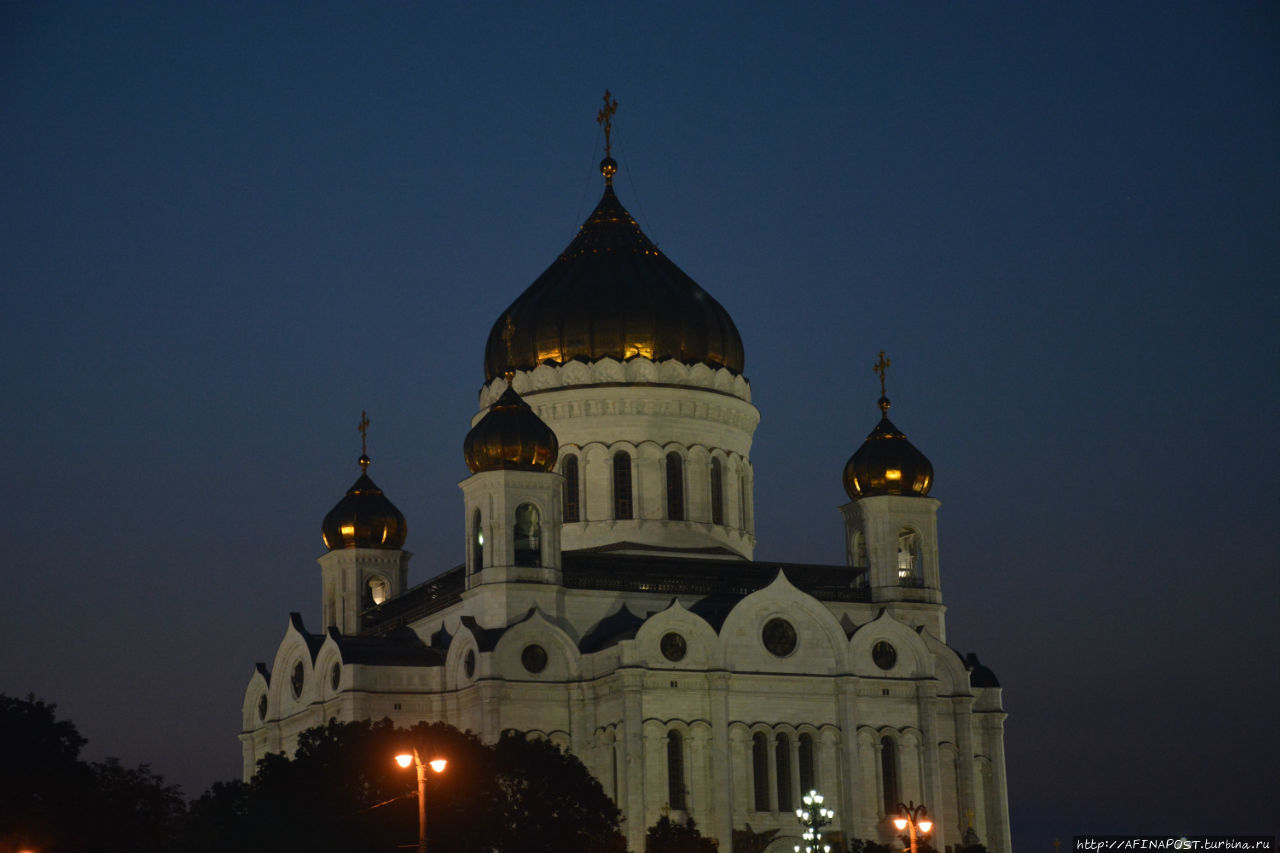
x=366, y=563
x=891, y=525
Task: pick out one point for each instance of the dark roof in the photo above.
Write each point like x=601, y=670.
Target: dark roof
x=486, y=638
x=979, y=675
x=314, y=641
x=401, y=647
x=612, y=629
x=678, y=575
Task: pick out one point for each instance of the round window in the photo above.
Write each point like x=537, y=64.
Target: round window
x=673, y=646
x=295, y=680
x=534, y=658
x=335, y=675
x=779, y=637
x=884, y=654
x=469, y=663
x=262, y=707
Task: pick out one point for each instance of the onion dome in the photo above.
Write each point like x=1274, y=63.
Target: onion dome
x=612, y=294
x=886, y=463
x=364, y=518
x=510, y=436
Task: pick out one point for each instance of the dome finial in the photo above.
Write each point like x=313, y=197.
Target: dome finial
x=881, y=368
x=364, y=435
x=608, y=166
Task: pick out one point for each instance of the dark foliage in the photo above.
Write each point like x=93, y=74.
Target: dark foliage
x=749, y=841
x=343, y=792
x=52, y=801
x=667, y=836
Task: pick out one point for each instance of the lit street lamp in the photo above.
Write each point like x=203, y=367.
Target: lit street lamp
x=915, y=818
x=404, y=759
x=813, y=817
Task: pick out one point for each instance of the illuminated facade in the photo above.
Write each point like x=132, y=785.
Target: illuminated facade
x=609, y=602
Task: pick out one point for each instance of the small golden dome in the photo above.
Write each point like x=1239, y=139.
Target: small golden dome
x=364, y=518
x=510, y=436
x=887, y=464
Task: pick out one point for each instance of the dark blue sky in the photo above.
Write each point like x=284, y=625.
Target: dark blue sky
x=228, y=228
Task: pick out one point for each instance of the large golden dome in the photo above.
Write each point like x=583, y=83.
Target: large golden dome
x=510, y=436
x=612, y=294
x=364, y=518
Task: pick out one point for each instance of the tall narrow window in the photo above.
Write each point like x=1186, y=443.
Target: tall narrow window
x=621, y=484
x=477, y=543
x=717, y=491
x=675, y=772
x=908, y=557
x=889, y=771
x=528, y=536
x=569, y=468
x=782, y=755
x=760, y=771
x=675, y=487
x=806, y=764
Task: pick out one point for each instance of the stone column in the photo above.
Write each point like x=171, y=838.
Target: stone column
x=930, y=783
x=850, y=802
x=721, y=776
x=633, y=755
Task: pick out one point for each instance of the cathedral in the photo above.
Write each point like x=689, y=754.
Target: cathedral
x=609, y=600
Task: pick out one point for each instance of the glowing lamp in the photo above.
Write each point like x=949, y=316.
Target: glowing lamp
x=438, y=764
x=925, y=825
x=404, y=759
x=900, y=823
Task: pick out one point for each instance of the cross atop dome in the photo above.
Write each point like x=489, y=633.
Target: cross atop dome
x=608, y=166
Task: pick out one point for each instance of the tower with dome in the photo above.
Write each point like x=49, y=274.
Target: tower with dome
x=608, y=600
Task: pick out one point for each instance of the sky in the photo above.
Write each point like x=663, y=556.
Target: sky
x=228, y=228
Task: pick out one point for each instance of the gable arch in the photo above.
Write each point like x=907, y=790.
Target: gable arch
x=562, y=657
x=820, y=644
x=702, y=649
x=913, y=659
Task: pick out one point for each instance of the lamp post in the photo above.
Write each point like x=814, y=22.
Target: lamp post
x=813, y=816
x=404, y=759
x=914, y=818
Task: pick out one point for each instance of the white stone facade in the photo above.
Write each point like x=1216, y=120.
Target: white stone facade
x=780, y=677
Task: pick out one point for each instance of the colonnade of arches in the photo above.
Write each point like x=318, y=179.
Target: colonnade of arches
x=672, y=484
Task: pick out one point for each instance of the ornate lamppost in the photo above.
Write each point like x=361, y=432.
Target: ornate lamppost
x=404, y=759
x=914, y=818
x=813, y=816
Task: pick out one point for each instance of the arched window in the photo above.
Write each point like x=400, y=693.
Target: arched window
x=782, y=755
x=717, y=491
x=807, y=781
x=760, y=770
x=622, y=484
x=889, y=773
x=908, y=557
x=528, y=536
x=377, y=590
x=858, y=551
x=675, y=772
x=569, y=468
x=675, y=487
x=477, y=543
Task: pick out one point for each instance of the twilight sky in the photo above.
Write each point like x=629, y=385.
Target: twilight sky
x=230, y=227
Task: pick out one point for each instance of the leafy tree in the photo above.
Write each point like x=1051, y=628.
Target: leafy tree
x=749, y=841
x=341, y=791
x=666, y=836
x=52, y=801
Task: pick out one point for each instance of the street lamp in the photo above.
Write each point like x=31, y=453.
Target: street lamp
x=813, y=816
x=915, y=818
x=404, y=759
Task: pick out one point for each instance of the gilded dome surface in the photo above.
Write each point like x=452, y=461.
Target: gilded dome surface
x=510, y=436
x=612, y=294
x=364, y=518
x=887, y=464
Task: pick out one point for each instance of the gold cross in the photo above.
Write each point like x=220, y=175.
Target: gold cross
x=881, y=366
x=364, y=432
x=509, y=332
x=968, y=812
x=605, y=117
